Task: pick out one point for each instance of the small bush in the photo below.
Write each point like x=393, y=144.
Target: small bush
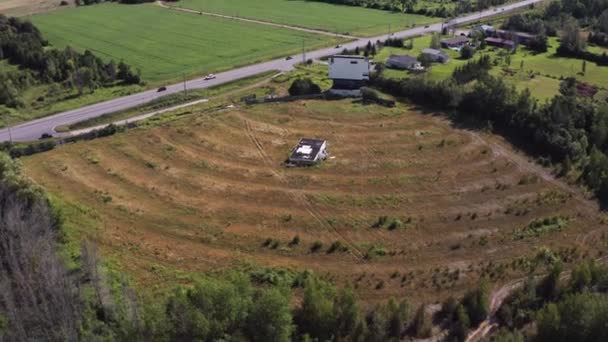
x=304, y=87
x=380, y=222
x=337, y=246
x=467, y=52
x=295, y=241
x=396, y=224
x=316, y=246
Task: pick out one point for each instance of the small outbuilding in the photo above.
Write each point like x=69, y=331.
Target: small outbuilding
x=308, y=152
x=403, y=62
x=455, y=42
x=435, y=55
x=485, y=29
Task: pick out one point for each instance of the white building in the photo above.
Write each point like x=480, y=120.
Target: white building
x=348, y=73
x=308, y=152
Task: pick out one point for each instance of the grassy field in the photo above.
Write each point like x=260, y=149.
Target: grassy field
x=410, y=204
x=174, y=100
x=164, y=44
x=334, y=18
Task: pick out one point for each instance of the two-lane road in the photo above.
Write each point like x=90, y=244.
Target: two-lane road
x=32, y=130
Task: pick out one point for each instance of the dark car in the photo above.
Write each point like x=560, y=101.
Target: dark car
x=426, y=26
x=45, y=136
x=163, y=88
x=288, y=58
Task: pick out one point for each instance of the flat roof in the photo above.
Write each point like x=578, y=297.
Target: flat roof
x=455, y=40
x=349, y=56
x=500, y=41
x=403, y=59
x=434, y=52
x=517, y=33
x=306, y=150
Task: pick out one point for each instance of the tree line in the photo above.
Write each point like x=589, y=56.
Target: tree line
x=410, y=6
x=23, y=45
x=130, y=2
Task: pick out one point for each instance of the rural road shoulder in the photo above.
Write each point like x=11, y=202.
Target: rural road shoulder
x=32, y=130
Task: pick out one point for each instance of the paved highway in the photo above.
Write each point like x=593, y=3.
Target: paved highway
x=32, y=130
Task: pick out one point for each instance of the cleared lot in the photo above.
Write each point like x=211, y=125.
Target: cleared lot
x=408, y=205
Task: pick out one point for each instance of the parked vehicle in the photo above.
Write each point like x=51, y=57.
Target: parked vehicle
x=163, y=88
x=45, y=136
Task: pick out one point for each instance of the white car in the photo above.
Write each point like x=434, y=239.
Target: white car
x=209, y=77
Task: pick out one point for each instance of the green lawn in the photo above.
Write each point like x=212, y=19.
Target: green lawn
x=547, y=67
x=436, y=72
x=167, y=44
x=334, y=18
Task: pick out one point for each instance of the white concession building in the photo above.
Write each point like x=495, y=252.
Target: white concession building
x=348, y=73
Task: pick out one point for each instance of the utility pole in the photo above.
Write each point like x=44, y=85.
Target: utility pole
x=185, y=88
x=303, y=53
x=8, y=127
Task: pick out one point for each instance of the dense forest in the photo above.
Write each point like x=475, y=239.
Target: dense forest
x=23, y=46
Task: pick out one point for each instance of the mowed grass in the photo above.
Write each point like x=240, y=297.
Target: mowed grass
x=165, y=44
x=209, y=192
x=333, y=18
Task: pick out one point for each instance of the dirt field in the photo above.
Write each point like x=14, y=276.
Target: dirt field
x=205, y=193
x=27, y=7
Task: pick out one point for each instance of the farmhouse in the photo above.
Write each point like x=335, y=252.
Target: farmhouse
x=308, y=152
x=503, y=43
x=348, y=74
x=436, y=55
x=403, y=62
x=455, y=42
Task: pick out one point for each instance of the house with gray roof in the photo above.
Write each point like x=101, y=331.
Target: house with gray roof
x=403, y=62
x=435, y=55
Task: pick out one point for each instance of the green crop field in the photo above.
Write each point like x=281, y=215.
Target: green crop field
x=334, y=18
x=165, y=44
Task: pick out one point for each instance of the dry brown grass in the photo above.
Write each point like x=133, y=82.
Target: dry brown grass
x=205, y=192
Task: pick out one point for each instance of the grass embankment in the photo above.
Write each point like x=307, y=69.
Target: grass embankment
x=168, y=101
x=208, y=192
x=166, y=45
x=351, y=20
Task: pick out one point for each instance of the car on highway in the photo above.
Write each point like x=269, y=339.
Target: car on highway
x=210, y=77
x=46, y=136
x=338, y=46
x=426, y=26
x=288, y=58
x=163, y=88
